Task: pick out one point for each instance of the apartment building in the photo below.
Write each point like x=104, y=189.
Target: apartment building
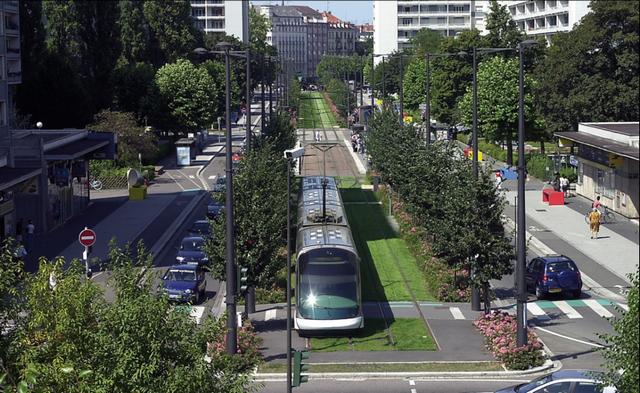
x=546, y=17
x=230, y=17
x=10, y=68
x=288, y=35
x=342, y=35
x=317, y=38
x=396, y=22
x=365, y=31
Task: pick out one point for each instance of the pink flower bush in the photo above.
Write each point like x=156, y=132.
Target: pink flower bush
x=499, y=329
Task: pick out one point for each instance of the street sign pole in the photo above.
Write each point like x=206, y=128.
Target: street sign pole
x=86, y=238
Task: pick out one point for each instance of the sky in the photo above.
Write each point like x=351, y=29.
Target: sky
x=357, y=12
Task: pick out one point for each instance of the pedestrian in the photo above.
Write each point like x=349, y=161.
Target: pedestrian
x=596, y=204
x=31, y=229
x=564, y=185
x=353, y=142
x=317, y=136
x=19, y=230
x=556, y=182
x=498, y=180
x=594, y=222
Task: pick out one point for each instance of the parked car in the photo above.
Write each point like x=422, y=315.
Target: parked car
x=214, y=209
x=220, y=185
x=200, y=228
x=563, y=381
x=553, y=274
x=191, y=251
x=184, y=283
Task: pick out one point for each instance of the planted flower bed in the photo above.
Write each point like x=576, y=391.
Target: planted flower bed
x=499, y=330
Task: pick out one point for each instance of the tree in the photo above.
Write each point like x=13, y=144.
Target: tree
x=621, y=352
x=414, y=83
x=364, y=48
x=503, y=30
x=134, y=31
x=76, y=341
x=591, y=72
x=188, y=92
x=259, y=26
x=132, y=138
x=425, y=41
x=498, y=102
x=171, y=27
x=131, y=84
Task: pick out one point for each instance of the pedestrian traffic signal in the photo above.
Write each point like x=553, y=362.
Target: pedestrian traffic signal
x=299, y=367
x=243, y=279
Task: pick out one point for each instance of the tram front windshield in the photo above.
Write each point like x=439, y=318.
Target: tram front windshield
x=328, y=285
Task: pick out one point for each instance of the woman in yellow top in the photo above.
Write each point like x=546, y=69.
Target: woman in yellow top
x=594, y=222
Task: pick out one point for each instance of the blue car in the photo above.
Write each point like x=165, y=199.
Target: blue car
x=184, y=283
x=191, y=251
x=553, y=274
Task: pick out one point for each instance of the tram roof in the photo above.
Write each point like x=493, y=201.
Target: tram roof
x=314, y=196
x=312, y=215
x=323, y=235
x=315, y=182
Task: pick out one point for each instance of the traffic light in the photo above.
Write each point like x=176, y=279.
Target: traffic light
x=299, y=367
x=243, y=279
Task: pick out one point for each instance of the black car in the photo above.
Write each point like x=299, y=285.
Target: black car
x=214, y=209
x=200, y=228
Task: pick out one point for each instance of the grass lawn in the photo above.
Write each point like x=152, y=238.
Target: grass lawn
x=409, y=334
x=388, y=367
x=314, y=112
x=383, y=254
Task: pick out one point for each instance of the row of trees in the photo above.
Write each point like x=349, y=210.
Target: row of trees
x=459, y=215
x=63, y=333
x=587, y=74
x=82, y=57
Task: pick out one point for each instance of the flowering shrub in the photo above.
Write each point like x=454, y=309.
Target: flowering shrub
x=499, y=329
x=249, y=342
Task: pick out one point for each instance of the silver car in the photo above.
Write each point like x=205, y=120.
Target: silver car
x=563, y=381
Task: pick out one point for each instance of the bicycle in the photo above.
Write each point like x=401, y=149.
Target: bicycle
x=606, y=216
x=95, y=184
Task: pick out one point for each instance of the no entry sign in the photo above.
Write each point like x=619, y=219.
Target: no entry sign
x=87, y=237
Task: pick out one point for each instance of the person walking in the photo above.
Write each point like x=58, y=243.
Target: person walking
x=594, y=222
x=31, y=230
x=317, y=136
x=564, y=185
x=596, y=204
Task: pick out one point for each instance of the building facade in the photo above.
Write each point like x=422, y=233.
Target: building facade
x=317, y=38
x=397, y=22
x=10, y=67
x=230, y=17
x=288, y=35
x=546, y=17
x=608, y=163
x=365, y=32
x=342, y=35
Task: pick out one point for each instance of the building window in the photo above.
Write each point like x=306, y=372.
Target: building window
x=3, y=113
x=605, y=182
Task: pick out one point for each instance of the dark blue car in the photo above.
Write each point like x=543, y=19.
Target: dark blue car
x=553, y=274
x=184, y=283
x=191, y=251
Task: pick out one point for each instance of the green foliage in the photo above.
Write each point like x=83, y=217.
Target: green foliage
x=498, y=102
x=134, y=32
x=339, y=67
x=69, y=338
x=364, y=48
x=172, y=28
x=621, y=352
x=540, y=166
x=132, y=138
x=503, y=30
x=388, y=74
x=591, y=72
x=569, y=173
x=294, y=93
x=131, y=83
x=414, y=84
x=188, y=92
x=425, y=41
x=338, y=91
x=259, y=26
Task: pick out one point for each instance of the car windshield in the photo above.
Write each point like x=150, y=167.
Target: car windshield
x=200, y=226
x=180, y=275
x=328, y=285
x=191, y=245
x=561, y=266
x=535, y=383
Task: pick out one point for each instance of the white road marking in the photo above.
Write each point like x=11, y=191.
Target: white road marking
x=174, y=180
x=270, y=314
x=569, y=338
x=623, y=306
x=457, y=314
x=598, y=308
x=212, y=177
x=412, y=382
x=191, y=177
x=567, y=309
x=196, y=313
x=537, y=311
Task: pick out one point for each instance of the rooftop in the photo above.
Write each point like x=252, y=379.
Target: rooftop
x=624, y=128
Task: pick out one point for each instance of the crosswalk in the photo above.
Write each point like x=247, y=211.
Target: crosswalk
x=540, y=310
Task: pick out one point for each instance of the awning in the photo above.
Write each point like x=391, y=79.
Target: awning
x=75, y=149
x=9, y=177
x=601, y=143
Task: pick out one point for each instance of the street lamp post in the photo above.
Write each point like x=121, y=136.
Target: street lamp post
x=270, y=90
x=248, y=102
x=262, y=110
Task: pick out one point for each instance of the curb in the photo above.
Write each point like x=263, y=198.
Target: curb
x=162, y=240
x=361, y=169
x=543, y=249
x=548, y=366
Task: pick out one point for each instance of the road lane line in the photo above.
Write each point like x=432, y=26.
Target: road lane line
x=412, y=382
x=623, y=306
x=537, y=311
x=174, y=180
x=569, y=338
x=270, y=314
x=598, y=308
x=457, y=314
x=567, y=309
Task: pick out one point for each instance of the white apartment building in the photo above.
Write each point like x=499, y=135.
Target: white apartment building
x=396, y=22
x=230, y=17
x=546, y=17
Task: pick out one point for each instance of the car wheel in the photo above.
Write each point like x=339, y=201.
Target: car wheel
x=197, y=299
x=576, y=294
x=539, y=293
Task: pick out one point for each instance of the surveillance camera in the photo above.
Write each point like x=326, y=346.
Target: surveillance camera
x=294, y=153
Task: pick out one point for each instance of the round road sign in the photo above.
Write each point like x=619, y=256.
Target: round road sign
x=87, y=237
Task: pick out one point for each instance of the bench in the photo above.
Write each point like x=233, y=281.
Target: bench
x=552, y=197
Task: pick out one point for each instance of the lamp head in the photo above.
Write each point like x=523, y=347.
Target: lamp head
x=527, y=43
x=225, y=46
x=200, y=51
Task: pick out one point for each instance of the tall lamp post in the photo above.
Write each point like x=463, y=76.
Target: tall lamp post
x=521, y=334
x=248, y=101
x=232, y=326
x=262, y=110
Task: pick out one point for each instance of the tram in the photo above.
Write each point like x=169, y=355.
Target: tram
x=328, y=299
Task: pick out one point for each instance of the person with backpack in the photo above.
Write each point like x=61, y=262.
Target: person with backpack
x=594, y=222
